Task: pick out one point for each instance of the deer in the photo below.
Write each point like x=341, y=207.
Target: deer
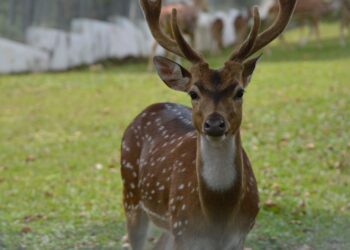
x=241, y=27
x=345, y=20
x=217, y=32
x=185, y=169
x=307, y=11
x=188, y=16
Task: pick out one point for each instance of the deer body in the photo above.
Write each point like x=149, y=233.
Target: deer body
x=185, y=169
x=186, y=175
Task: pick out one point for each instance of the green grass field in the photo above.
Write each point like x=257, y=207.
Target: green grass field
x=60, y=186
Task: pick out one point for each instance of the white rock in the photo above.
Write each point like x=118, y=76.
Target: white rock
x=98, y=36
x=129, y=38
x=17, y=57
x=52, y=41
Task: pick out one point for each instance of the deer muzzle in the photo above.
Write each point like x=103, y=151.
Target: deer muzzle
x=215, y=125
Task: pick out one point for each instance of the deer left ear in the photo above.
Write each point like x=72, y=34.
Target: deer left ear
x=173, y=75
x=248, y=70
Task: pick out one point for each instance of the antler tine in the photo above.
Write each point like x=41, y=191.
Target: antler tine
x=186, y=49
x=286, y=8
x=246, y=47
x=152, y=10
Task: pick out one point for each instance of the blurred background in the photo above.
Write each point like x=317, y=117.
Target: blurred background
x=17, y=16
x=75, y=73
x=55, y=35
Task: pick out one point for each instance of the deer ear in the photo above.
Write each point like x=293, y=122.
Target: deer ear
x=248, y=70
x=174, y=75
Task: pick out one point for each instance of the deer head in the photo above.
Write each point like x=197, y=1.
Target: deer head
x=217, y=94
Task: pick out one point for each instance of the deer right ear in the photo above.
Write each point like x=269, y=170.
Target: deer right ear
x=174, y=75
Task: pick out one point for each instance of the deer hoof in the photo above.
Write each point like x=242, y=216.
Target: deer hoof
x=126, y=246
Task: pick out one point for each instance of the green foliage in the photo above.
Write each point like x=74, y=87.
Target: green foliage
x=60, y=134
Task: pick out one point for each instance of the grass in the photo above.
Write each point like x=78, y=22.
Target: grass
x=60, y=134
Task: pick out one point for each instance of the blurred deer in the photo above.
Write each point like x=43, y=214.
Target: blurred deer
x=308, y=11
x=217, y=32
x=188, y=15
x=241, y=26
x=183, y=168
x=345, y=20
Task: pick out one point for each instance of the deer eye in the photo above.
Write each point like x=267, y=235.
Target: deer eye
x=194, y=96
x=239, y=94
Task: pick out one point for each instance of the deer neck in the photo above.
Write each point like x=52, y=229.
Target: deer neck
x=219, y=173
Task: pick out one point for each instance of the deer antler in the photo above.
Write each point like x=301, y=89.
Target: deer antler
x=247, y=46
x=186, y=49
x=179, y=46
x=256, y=42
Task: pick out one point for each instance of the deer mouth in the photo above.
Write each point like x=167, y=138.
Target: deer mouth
x=216, y=139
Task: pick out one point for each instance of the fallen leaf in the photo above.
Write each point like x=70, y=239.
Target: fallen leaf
x=310, y=145
x=30, y=158
x=271, y=206
x=276, y=188
x=48, y=194
x=31, y=218
x=26, y=230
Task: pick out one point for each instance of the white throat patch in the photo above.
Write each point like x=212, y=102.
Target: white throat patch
x=218, y=157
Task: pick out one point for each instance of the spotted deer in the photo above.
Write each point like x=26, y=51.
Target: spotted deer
x=188, y=16
x=183, y=168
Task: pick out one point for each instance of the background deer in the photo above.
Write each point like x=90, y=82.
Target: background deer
x=307, y=12
x=194, y=179
x=241, y=27
x=217, y=32
x=188, y=15
x=345, y=20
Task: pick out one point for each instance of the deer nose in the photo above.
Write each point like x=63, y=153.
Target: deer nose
x=215, y=125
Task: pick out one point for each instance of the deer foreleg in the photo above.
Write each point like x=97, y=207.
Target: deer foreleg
x=137, y=226
x=303, y=38
x=316, y=30
x=165, y=242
